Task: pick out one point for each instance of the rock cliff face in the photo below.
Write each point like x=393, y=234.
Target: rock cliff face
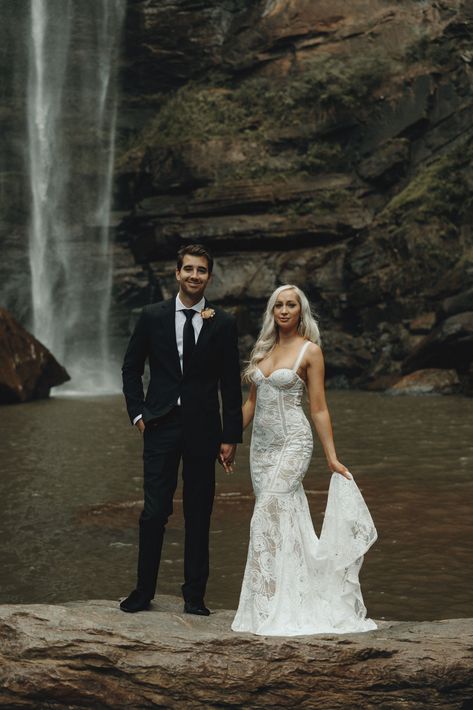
x=89, y=654
x=325, y=144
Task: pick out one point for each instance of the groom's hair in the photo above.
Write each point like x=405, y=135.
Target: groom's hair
x=195, y=250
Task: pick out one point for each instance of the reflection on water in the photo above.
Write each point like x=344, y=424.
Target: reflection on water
x=67, y=463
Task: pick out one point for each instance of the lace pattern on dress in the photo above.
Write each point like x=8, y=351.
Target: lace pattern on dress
x=295, y=583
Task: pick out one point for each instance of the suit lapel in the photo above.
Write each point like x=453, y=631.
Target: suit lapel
x=204, y=336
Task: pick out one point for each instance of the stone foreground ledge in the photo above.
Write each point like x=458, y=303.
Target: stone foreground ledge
x=90, y=655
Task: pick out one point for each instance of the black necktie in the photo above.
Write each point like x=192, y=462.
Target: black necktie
x=188, y=343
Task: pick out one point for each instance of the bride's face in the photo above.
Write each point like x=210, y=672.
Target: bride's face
x=287, y=310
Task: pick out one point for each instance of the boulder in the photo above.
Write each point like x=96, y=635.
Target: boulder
x=459, y=303
x=27, y=369
x=450, y=345
x=429, y=381
x=380, y=383
x=387, y=164
x=422, y=324
x=344, y=354
x=457, y=280
x=89, y=654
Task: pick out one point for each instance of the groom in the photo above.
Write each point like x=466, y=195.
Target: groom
x=192, y=352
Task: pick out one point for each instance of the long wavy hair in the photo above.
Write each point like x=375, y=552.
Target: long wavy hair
x=269, y=334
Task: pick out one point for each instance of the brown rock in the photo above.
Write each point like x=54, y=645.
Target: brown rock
x=457, y=280
x=172, y=40
x=381, y=383
x=27, y=368
x=387, y=164
x=344, y=354
x=457, y=304
x=429, y=381
x=89, y=654
x=423, y=324
x=450, y=345
x=248, y=215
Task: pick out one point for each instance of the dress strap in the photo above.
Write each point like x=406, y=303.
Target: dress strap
x=300, y=356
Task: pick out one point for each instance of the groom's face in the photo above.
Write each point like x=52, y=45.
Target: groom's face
x=193, y=276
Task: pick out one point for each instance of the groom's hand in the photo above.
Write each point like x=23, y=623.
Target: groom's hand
x=140, y=425
x=227, y=456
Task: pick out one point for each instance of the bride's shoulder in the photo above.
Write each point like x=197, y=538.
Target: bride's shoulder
x=313, y=348
x=313, y=352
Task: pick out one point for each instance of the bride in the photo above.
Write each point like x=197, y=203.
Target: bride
x=294, y=582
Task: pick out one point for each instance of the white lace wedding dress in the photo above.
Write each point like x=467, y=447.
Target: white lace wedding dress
x=295, y=583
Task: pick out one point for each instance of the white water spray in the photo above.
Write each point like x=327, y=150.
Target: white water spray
x=71, y=103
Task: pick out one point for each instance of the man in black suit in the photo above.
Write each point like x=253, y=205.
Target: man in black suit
x=192, y=350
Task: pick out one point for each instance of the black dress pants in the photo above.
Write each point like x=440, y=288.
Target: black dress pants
x=164, y=447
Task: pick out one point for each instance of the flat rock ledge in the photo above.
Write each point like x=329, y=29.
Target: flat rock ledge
x=91, y=655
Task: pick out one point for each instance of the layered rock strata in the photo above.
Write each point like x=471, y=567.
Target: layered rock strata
x=89, y=654
x=325, y=144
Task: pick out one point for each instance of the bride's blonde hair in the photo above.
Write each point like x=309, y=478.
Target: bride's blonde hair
x=269, y=336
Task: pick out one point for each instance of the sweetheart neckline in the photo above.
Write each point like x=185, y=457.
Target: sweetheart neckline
x=293, y=369
x=278, y=369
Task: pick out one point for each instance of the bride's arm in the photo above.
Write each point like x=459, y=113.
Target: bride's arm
x=248, y=408
x=318, y=408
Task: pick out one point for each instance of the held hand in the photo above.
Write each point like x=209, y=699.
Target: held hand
x=337, y=467
x=140, y=425
x=227, y=456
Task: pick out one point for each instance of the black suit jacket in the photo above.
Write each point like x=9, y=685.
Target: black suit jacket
x=214, y=364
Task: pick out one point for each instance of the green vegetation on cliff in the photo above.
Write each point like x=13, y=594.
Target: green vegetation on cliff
x=324, y=86
x=284, y=125
x=441, y=189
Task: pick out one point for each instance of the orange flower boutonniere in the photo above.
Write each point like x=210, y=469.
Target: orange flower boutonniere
x=207, y=313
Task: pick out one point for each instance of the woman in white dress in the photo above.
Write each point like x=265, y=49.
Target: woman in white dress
x=295, y=583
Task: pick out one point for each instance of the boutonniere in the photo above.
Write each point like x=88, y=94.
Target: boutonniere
x=207, y=313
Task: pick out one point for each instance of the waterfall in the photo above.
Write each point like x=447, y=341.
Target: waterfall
x=71, y=109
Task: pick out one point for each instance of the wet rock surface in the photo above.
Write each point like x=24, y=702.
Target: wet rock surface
x=90, y=654
x=428, y=381
x=27, y=369
x=451, y=343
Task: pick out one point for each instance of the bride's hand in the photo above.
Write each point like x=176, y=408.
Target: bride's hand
x=227, y=457
x=337, y=467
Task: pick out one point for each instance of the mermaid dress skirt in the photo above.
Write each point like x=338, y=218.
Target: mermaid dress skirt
x=294, y=582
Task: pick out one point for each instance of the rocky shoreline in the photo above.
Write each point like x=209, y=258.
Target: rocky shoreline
x=89, y=654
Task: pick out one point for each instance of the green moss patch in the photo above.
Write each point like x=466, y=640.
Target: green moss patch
x=438, y=190
x=279, y=123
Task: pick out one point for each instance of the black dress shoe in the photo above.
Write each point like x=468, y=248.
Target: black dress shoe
x=137, y=601
x=198, y=608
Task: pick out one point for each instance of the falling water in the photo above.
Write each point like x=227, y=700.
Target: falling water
x=71, y=105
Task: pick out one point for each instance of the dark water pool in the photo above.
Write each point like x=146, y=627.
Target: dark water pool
x=67, y=465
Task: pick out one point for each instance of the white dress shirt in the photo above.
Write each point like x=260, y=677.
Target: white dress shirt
x=180, y=321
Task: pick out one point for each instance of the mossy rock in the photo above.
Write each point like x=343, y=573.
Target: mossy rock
x=312, y=100
x=441, y=189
